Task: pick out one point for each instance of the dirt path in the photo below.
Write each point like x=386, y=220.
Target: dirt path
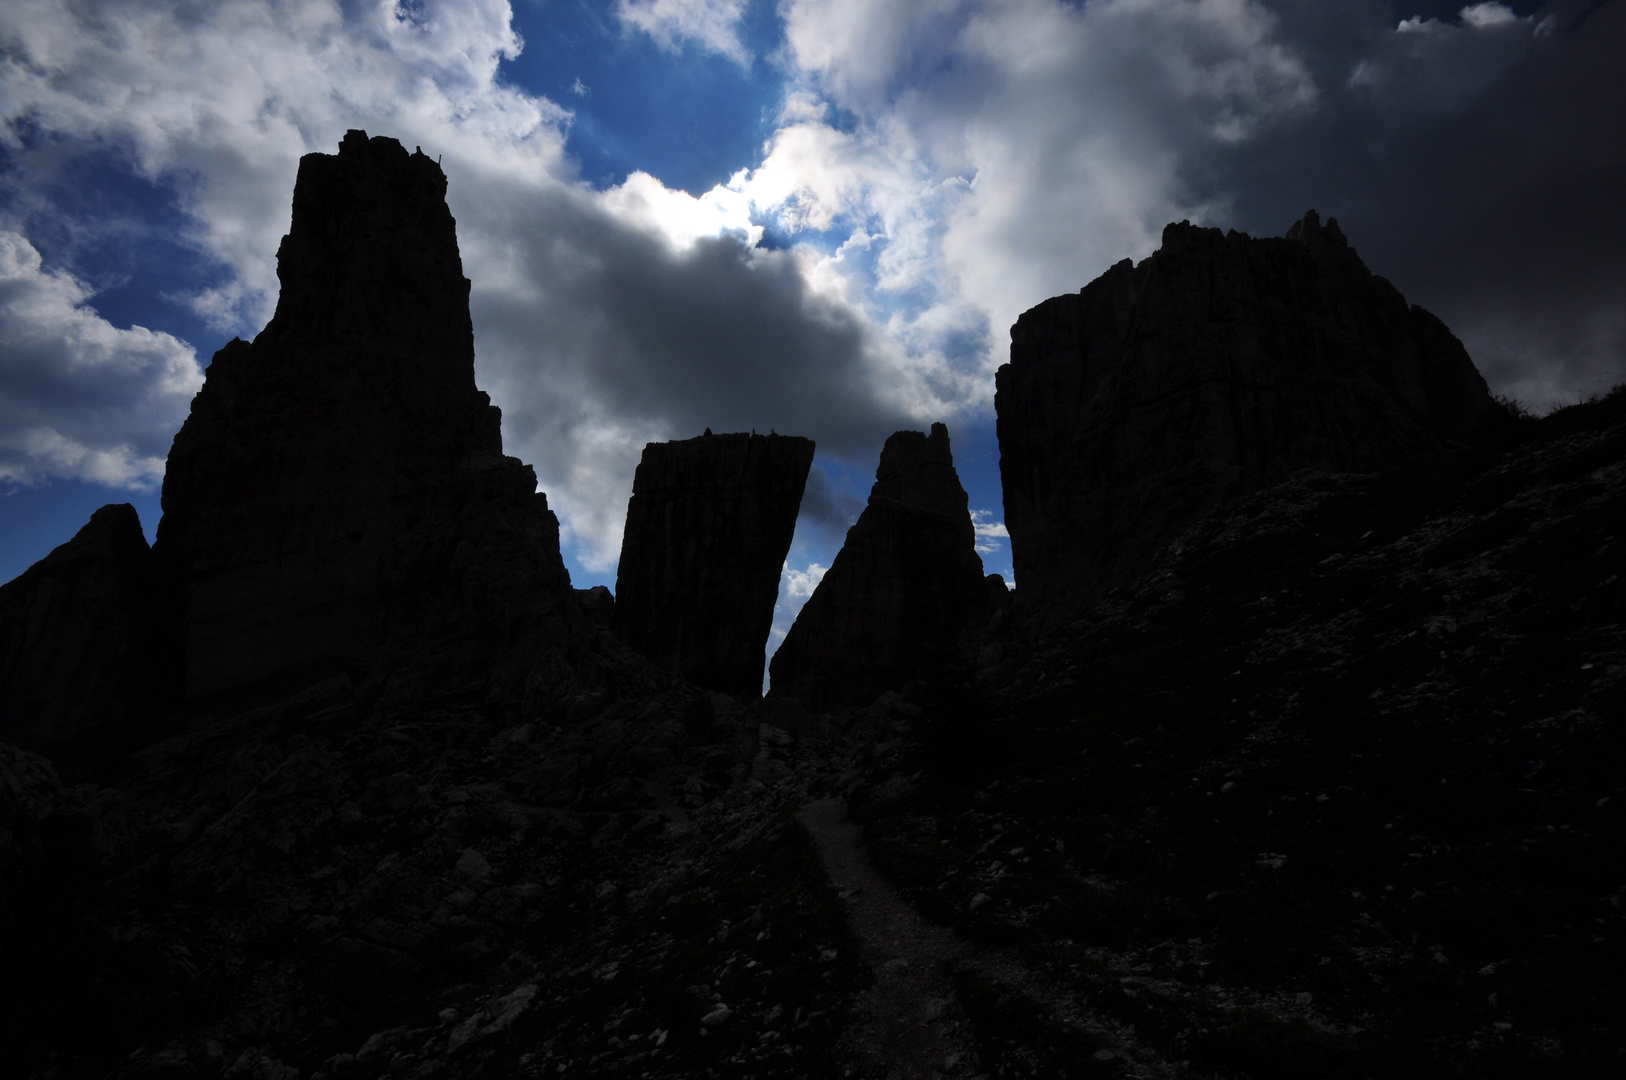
x=909, y=1025
x=905, y=1029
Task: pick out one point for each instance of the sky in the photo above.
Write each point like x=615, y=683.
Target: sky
x=818, y=217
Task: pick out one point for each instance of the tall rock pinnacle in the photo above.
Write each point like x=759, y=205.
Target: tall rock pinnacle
x=905, y=584
x=708, y=528
x=83, y=675
x=339, y=495
x=1218, y=365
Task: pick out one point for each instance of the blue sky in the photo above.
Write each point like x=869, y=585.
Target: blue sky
x=818, y=216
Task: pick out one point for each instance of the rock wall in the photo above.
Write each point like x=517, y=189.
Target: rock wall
x=338, y=499
x=708, y=527
x=83, y=671
x=905, y=585
x=1219, y=364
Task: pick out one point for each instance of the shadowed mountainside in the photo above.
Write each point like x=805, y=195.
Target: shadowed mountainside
x=905, y=587
x=708, y=527
x=1325, y=782
x=83, y=674
x=338, y=499
x=1220, y=364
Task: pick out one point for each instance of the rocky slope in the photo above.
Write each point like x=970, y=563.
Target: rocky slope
x=901, y=592
x=708, y=527
x=1332, y=789
x=1220, y=364
x=82, y=678
x=328, y=886
x=338, y=499
x=1330, y=786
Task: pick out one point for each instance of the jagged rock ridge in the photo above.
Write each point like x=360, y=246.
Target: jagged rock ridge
x=83, y=676
x=1332, y=789
x=338, y=499
x=905, y=584
x=708, y=527
x=1217, y=365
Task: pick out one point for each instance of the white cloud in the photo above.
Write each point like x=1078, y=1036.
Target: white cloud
x=80, y=397
x=799, y=584
x=1491, y=14
x=1013, y=165
x=942, y=165
x=795, y=587
x=1006, y=152
x=222, y=104
x=603, y=319
x=989, y=532
x=711, y=24
x=643, y=201
x=1426, y=67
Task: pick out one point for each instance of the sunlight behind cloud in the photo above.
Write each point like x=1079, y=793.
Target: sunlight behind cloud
x=1005, y=152
x=932, y=169
x=681, y=218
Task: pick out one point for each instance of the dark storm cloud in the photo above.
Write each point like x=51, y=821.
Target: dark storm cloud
x=1477, y=167
x=826, y=506
x=607, y=335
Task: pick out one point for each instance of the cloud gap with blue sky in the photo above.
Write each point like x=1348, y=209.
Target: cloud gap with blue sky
x=815, y=216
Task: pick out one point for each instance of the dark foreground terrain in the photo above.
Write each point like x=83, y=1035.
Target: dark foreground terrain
x=1297, y=752
x=1333, y=789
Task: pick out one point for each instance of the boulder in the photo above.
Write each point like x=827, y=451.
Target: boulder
x=84, y=675
x=708, y=527
x=905, y=586
x=1220, y=364
x=338, y=499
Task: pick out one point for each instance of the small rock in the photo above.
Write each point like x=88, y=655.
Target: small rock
x=472, y=864
x=717, y=1016
x=979, y=901
x=463, y=1034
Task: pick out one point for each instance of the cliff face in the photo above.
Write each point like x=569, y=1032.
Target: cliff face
x=83, y=677
x=906, y=582
x=1219, y=364
x=339, y=494
x=708, y=528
